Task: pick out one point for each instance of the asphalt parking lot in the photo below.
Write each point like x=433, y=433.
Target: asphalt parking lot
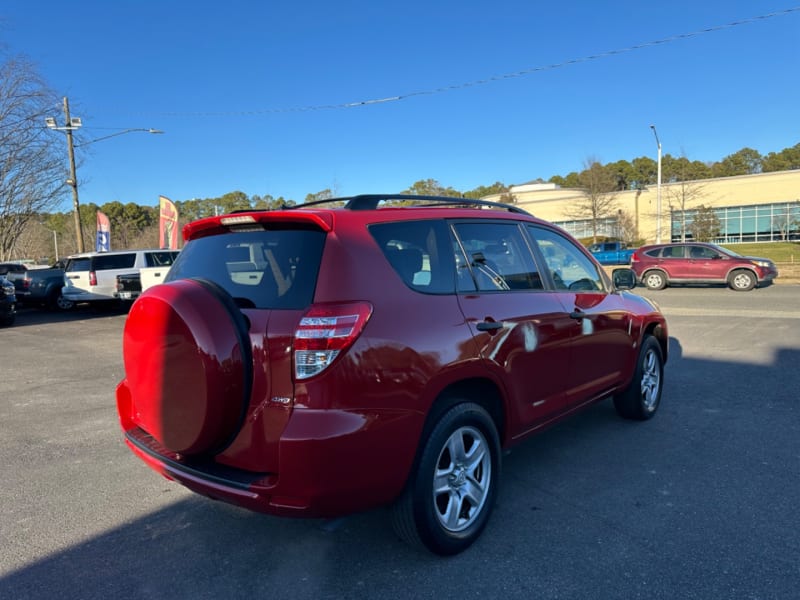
x=700, y=502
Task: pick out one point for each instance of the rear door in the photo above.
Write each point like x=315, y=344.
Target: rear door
x=522, y=329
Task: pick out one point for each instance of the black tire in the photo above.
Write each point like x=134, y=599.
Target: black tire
x=447, y=521
x=641, y=399
x=742, y=280
x=655, y=280
x=57, y=302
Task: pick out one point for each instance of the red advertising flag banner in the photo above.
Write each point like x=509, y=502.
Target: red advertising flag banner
x=103, y=239
x=168, y=223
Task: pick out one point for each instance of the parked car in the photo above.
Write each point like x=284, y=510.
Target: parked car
x=320, y=360
x=92, y=276
x=612, y=253
x=661, y=265
x=39, y=286
x=8, y=302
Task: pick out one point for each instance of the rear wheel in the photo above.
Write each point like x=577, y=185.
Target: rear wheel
x=655, y=280
x=58, y=302
x=642, y=397
x=448, y=500
x=742, y=280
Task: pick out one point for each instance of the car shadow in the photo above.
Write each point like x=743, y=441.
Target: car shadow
x=33, y=315
x=594, y=503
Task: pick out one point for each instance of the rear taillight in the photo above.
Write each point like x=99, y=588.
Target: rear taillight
x=92, y=278
x=26, y=283
x=635, y=257
x=325, y=331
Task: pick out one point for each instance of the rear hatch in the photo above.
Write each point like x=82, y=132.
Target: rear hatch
x=208, y=354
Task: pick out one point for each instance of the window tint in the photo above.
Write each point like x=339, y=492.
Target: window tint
x=105, y=262
x=420, y=253
x=673, y=252
x=570, y=268
x=78, y=264
x=702, y=253
x=260, y=269
x=497, y=257
x=160, y=259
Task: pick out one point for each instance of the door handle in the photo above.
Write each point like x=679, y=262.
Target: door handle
x=489, y=325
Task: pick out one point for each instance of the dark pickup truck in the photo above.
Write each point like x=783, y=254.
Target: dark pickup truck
x=129, y=286
x=37, y=286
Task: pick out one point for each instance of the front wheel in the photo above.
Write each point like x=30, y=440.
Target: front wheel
x=448, y=500
x=742, y=280
x=641, y=398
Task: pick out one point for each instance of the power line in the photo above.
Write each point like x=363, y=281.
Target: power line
x=488, y=80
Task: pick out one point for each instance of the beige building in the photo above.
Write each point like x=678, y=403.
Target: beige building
x=763, y=207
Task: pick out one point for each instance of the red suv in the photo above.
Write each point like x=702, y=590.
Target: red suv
x=329, y=358
x=696, y=262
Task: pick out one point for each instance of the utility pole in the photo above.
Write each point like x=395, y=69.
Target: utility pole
x=70, y=124
x=73, y=177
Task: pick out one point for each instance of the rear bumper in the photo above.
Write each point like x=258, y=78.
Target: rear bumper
x=331, y=463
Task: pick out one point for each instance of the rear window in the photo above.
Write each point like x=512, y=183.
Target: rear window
x=106, y=262
x=260, y=269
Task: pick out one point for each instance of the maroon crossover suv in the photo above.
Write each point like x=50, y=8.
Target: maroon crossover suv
x=377, y=350
x=697, y=262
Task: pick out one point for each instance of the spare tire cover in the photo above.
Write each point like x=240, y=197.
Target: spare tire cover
x=188, y=366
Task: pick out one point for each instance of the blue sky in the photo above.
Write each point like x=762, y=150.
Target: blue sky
x=238, y=87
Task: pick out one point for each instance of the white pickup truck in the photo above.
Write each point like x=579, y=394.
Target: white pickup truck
x=131, y=285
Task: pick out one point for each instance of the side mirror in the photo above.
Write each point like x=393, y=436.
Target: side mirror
x=624, y=279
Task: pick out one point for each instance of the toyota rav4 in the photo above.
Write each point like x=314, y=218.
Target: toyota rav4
x=377, y=350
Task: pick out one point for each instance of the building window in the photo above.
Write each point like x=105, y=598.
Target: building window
x=777, y=222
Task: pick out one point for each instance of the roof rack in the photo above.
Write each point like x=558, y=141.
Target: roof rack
x=371, y=202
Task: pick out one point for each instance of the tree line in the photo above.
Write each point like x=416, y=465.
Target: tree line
x=32, y=181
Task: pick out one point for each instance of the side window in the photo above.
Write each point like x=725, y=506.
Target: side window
x=160, y=259
x=114, y=261
x=673, y=252
x=419, y=252
x=497, y=256
x=568, y=266
x=702, y=253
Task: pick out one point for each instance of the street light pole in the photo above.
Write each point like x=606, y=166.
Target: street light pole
x=658, y=188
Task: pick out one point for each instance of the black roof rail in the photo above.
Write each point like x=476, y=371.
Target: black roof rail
x=371, y=201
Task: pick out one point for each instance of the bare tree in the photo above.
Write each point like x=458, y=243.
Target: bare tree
x=705, y=226
x=31, y=158
x=685, y=192
x=599, y=201
x=626, y=229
